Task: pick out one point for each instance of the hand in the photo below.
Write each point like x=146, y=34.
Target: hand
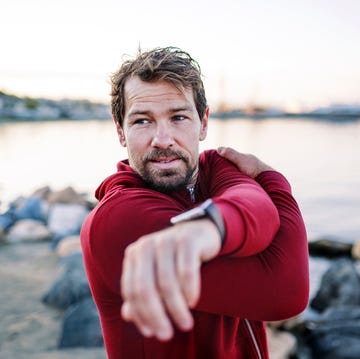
x=161, y=276
x=246, y=163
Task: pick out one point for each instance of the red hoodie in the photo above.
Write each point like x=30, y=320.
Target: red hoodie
x=261, y=273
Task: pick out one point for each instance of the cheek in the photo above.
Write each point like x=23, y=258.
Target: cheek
x=136, y=148
x=192, y=147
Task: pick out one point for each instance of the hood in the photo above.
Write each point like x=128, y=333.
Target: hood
x=125, y=177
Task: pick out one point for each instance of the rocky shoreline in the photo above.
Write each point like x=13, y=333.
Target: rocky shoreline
x=46, y=310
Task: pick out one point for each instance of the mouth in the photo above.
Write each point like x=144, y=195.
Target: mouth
x=165, y=162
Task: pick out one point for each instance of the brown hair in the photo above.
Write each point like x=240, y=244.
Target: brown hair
x=169, y=64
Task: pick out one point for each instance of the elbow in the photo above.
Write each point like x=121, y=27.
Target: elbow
x=296, y=303
x=291, y=297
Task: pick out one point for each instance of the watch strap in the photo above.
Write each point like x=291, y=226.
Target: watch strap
x=207, y=209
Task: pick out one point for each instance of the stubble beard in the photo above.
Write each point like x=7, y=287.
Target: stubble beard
x=167, y=181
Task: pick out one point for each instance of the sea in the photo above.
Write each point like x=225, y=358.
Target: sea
x=319, y=157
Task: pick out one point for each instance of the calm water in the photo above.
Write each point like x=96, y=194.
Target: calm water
x=321, y=159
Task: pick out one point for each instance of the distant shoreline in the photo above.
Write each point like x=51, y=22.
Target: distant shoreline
x=333, y=117
x=25, y=109
x=231, y=115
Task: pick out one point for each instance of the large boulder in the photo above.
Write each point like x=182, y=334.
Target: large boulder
x=330, y=248
x=68, y=246
x=28, y=230
x=336, y=334
x=66, y=219
x=81, y=326
x=24, y=208
x=340, y=285
x=71, y=286
x=67, y=195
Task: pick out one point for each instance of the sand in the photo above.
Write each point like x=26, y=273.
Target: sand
x=28, y=328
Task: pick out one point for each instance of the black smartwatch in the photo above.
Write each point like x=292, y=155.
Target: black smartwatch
x=207, y=209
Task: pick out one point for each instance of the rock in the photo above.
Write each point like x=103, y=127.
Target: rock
x=340, y=285
x=336, y=335
x=286, y=324
x=281, y=344
x=355, y=251
x=68, y=195
x=28, y=230
x=71, y=286
x=42, y=192
x=68, y=245
x=329, y=248
x=24, y=208
x=81, y=326
x=66, y=219
x=2, y=234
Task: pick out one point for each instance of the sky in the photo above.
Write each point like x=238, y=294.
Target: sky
x=289, y=54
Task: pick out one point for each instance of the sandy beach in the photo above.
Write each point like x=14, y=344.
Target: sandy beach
x=28, y=328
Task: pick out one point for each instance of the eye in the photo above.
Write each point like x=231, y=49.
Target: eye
x=141, y=121
x=179, y=118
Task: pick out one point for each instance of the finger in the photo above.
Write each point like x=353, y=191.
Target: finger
x=126, y=275
x=188, y=272
x=146, y=304
x=129, y=315
x=127, y=290
x=231, y=154
x=169, y=286
x=126, y=312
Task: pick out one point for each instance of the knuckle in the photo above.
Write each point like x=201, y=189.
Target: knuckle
x=162, y=242
x=186, y=274
x=166, y=285
x=182, y=241
x=129, y=250
x=137, y=292
x=143, y=292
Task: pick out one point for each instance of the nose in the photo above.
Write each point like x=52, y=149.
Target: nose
x=163, y=137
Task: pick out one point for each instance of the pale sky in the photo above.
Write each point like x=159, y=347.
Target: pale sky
x=284, y=53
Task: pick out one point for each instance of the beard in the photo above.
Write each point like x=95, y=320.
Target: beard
x=167, y=180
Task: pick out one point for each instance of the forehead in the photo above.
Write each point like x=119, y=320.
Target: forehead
x=142, y=95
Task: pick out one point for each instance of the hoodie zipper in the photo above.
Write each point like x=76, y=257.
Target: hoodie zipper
x=253, y=338
x=191, y=190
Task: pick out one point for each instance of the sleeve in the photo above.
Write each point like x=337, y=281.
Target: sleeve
x=250, y=217
x=118, y=221
x=271, y=285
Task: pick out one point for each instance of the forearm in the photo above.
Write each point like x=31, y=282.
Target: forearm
x=251, y=220
x=271, y=285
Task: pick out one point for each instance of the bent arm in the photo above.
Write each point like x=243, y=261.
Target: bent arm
x=250, y=216
x=271, y=285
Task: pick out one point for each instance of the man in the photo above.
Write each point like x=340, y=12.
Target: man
x=186, y=254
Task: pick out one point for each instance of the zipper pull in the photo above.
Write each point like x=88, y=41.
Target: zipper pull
x=191, y=190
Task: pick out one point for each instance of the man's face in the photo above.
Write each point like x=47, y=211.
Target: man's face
x=162, y=130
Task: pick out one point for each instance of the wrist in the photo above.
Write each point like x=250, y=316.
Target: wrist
x=208, y=210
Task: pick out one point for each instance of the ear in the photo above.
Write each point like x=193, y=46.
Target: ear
x=204, y=125
x=120, y=132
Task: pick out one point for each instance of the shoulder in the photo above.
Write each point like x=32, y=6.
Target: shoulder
x=212, y=165
x=211, y=160
x=131, y=213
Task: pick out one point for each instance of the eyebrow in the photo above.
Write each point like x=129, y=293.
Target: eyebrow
x=171, y=110
x=139, y=112
x=180, y=109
